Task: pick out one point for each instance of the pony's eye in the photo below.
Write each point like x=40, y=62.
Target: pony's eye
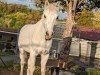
x=57, y=17
x=44, y=16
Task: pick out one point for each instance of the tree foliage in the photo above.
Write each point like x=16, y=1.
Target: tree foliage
x=88, y=18
x=96, y=19
x=84, y=18
x=16, y=15
x=95, y=3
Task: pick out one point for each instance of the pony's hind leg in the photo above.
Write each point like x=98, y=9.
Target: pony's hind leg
x=44, y=58
x=22, y=60
x=31, y=64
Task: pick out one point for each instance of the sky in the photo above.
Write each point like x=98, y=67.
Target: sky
x=24, y=2
x=32, y=5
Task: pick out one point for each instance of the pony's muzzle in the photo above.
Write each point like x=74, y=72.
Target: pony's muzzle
x=48, y=35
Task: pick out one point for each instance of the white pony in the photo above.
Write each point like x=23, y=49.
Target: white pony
x=37, y=39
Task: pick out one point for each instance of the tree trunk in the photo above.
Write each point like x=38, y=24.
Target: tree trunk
x=67, y=37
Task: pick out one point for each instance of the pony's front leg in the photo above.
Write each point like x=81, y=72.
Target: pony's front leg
x=22, y=60
x=44, y=58
x=31, y=64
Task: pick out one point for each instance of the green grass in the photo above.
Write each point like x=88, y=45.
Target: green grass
x=10, y=65
x=88, y=71
x=6, y=53
x=93, y=71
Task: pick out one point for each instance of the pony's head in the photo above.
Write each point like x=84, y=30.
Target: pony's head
x=49, y=17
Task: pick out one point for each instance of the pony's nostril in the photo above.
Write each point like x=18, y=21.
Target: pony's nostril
x=47, y=33
x=48, y=36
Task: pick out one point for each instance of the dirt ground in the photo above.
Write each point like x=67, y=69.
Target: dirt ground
x=7, y=72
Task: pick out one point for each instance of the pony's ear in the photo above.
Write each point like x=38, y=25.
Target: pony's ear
x=58, y=5
x=46, y=3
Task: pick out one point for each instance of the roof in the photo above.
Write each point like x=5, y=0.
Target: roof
x=91, y=34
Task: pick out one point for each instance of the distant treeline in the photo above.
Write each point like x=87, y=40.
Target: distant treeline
x=88, y=18
x=16, y=15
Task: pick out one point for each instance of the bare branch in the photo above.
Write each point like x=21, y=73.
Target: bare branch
x=74, y=4
x=80, y=2
x=67, y=2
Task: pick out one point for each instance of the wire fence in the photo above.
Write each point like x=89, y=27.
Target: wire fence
x=89, y=50
x=8, y=46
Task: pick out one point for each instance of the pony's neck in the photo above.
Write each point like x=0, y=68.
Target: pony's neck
x=40, y=22
x=40, y=25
